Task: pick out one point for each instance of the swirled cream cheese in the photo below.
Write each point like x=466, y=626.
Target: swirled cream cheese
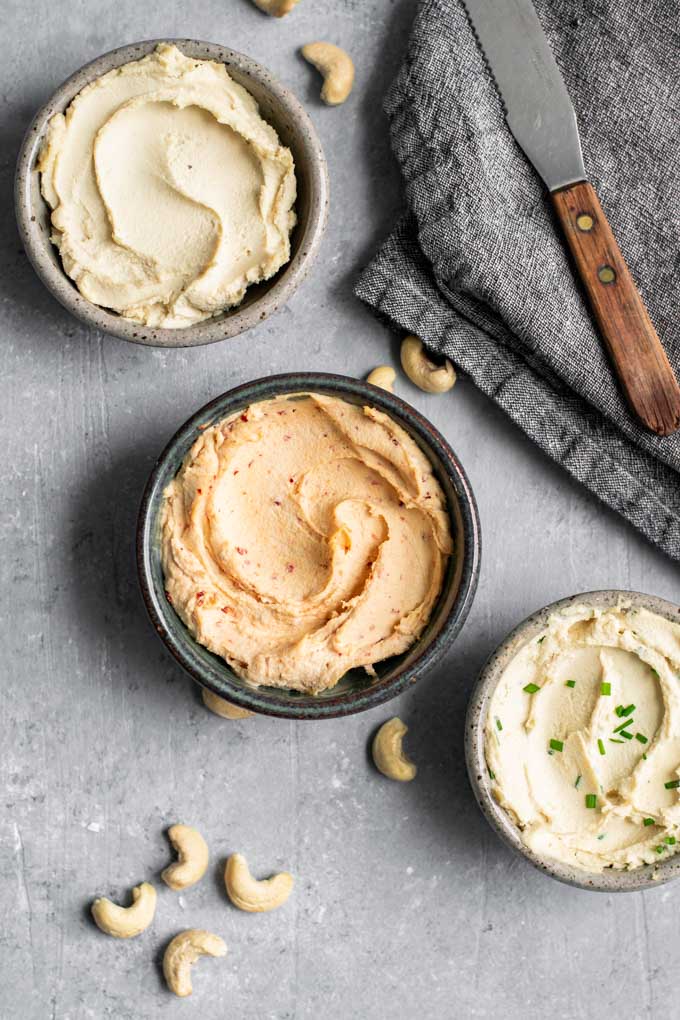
x=583, y=738
x=169, y=192
x=304, y=537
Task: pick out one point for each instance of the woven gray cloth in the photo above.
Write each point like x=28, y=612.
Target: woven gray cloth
x=477, y=266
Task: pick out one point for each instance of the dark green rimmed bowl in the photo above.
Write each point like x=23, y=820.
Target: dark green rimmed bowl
x=356, y=691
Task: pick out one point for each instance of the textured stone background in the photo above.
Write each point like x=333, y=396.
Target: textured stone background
x=406, y=904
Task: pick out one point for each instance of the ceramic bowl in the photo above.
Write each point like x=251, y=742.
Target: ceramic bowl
x=278, y=106
x=609, y=880
x=356, y=691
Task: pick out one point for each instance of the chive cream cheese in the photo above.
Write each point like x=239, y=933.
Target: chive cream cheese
x=583, y=738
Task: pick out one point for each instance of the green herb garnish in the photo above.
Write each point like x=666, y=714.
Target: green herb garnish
x=626, y=734
x=556, y=745
x=670, y=840
x=541, y=640
x=570, y=683
x=623, y=725
x=655, y=672
x=531, y=688
x=644, y=757
x=591, y=800
x=623, y=711
x=499, y=724
x=605, y=688
x=613, y=740
x=601, y=747
x=642, y=738
x=673, y=784
x=648, y=821
x=578, y=781
x=659, y=849
x=602, y=835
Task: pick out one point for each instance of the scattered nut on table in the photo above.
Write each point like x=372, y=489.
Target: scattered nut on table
x=193, y=855
x=183, y=951
x=277, y=8
x=222, y=707
x=126, y=922
x=246, y=893
x=388, y=753
x=336, y=67
x=383, y=376
x=423, y=372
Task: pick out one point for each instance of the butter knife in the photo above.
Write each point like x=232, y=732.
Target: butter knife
x=541, y=117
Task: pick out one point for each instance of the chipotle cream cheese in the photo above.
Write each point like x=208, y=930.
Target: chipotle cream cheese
x=303, y=537
x=169, y=192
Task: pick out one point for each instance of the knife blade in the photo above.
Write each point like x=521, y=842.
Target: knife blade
x=541, y=117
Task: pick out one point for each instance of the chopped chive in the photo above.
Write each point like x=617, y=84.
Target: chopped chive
x=557, y=745
x=602, y=835
x=601, y=747
x=492, y=774
x=619, y=710
x=578, y=781
x=670, y=840
x=591, y=800
x=628, y=710
x=605, y=688
x=570, y=683
x=499, y=724
x=541, y=640
x=644, y=757
x=655, y=672
x=613, y=740
x=659, y=849
x=641, y=737
x=626, y=734
x=648, y=821
x=673, y=784
x=531, y=688
x=623, y=725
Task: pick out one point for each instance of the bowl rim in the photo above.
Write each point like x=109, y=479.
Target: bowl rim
x=644, y=877
x=350, y=702
x=285, y=281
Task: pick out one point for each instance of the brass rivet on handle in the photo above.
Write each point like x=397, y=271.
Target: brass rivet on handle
x=606, y=274
x=584, y=222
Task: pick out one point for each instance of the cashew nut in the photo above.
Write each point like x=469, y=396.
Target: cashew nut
x=192, y=851
x=336, y=67
x=383, y=376
x=183, y=951
x=246, y=893
x=423, y=372
x=126, y=922
x=277, y=8
x=388, y=755
x=222, y=707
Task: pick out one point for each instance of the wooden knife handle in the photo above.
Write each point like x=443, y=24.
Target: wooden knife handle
x=640, y=361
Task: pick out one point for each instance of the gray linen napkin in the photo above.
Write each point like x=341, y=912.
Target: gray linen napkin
x=477, y=267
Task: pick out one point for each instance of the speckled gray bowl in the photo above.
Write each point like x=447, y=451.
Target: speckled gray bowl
x=278, y=106
x=356, y=691
x=648, y=875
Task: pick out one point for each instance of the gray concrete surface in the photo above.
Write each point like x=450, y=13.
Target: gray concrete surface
x=406, y=905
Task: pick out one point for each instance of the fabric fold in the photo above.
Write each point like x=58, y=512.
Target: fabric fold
x=477, y=266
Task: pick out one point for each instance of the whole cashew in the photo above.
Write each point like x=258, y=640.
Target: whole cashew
x=277, y=8
x=126, y=922
x=423, y=372
x=222, y=707
x=336, y=67
x=192, y=851
x=388, y=755
x=247, y=893
x=183, y=951
x=383, y=376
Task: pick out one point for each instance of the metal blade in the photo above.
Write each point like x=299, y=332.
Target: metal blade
x=537, y=105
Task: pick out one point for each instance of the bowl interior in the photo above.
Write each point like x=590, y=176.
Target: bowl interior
x=609, y=880
x=356, y=690
x=278, y=107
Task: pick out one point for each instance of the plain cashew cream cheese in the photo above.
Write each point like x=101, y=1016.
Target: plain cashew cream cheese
x=583, y=738
x=169, y=192
x=303, y=537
